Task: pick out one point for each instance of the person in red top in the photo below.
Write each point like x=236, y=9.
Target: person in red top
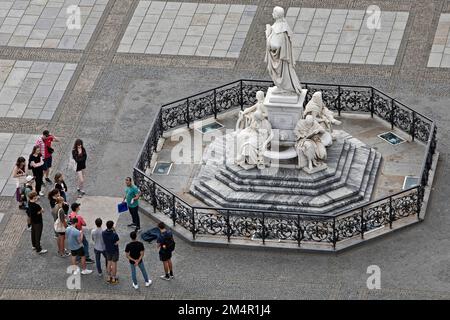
x=80, y=224
x=45, y=144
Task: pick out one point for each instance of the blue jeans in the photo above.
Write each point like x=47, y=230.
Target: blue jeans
x=98, y=263
x=133, y=272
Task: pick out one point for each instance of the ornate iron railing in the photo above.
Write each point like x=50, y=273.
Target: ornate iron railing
x=274, y=225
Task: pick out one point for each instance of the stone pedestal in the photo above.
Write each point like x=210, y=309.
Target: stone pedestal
x=284, y=112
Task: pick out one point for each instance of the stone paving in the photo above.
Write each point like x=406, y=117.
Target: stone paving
x=43, y=24
x=346, y=36
x=113, y=97
x=440, y=51
x=12, y=146
x=200, y=29
x=32, y=89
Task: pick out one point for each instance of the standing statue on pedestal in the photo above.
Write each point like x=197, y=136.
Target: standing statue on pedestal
x=279, y=56
x=310, y=149
x=253, y=134
x=325, y=117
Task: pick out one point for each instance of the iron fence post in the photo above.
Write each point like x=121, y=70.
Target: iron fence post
x=228, y=226
x=413, y=125
x=419, y=201
x=299, y=230
x=372, y=105
x=263, y=228
x=215, y=104
x=339, y=100
x=334, y=234
x=362, y=223
x=153, y=195
x=174, y=218
x=241, y=97
x=193, y=223
x=392, y=113
x=391, y=219
x=187, y=112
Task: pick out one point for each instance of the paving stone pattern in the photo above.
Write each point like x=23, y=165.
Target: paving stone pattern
x=32, y=89
x=440, y=51
x=12, y=146
x=343, y=36
x=194, y=29
x=43, y=23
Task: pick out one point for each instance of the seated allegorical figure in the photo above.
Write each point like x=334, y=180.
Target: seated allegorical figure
x=253, y=134
x=310, y=149
x=325, y=117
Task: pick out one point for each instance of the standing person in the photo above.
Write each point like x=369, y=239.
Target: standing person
x=36, y=164
x=111, y=240
x=45, y=144
x=135, y=253
x=80, y=224
x=29, y=187
x=37, y=225
x=75, y=241
x=61, y=226
x=61, y=185
x=166, y=246
x=19, y=174
x=99, y=246
x=80, y=156
x=132, y=194
x=53, y=197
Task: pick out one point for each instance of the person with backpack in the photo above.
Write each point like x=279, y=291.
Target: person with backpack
x=135, y=252
x=45, y=144
x=19, y=174
x=166, y=245
x=36, y=164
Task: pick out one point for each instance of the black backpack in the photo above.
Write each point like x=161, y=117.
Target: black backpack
x=169, y=243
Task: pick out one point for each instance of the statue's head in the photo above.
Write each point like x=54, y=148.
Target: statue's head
x=317, y=96
x=309, y=120
x=260, y=96
x=278, y=13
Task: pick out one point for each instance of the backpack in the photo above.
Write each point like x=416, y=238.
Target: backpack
x=169, y=243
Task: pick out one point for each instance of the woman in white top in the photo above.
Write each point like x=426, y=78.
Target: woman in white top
x=19, y=174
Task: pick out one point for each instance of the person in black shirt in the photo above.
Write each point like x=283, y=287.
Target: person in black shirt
x=35, y=211
x=61, y=185
x=36, y=164
x=80, y=156
x=135, y=253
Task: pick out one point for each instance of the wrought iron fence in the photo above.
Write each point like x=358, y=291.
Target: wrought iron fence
x=233, y=223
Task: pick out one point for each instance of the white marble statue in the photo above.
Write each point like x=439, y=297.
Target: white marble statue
x=310, y=149
x=279, y=56
x=325, y=117
x=253, y=134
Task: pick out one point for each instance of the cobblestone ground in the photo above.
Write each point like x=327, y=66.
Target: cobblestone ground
x=112, y=96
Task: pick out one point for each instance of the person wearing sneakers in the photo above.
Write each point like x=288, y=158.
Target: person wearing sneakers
x=45, y=144
x=80, y=156
x=75, y=242
x=166, y=246
x=36, y=164
x=135, y=252
x=111, y=240
x=29, y=187
x=132, y=194
x=99, y=246
x=36, y=211
x=80, y=224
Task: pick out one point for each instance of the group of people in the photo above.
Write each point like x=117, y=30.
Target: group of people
x=70, y=227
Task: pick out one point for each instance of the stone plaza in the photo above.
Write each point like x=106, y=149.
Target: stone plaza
x=105, y=83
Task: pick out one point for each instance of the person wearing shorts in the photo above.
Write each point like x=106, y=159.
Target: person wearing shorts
x=111, y=241
x=45, y=144
x=75, y=242
x=165, y=240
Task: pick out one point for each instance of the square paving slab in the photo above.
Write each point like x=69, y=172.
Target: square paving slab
x=188, y=28
x=32, y=89
x=440, y=51
x=44, y=23
x=346, y=36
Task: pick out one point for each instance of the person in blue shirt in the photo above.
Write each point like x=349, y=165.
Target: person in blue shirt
x=111, y=241
x=132, y=194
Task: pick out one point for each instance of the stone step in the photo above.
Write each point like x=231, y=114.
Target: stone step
x=284, y=174
x=213, y=192
x=292, y=187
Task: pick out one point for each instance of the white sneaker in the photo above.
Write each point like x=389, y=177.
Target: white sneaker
x=42, y=251
x=147, y=284
x=135, y=286
x=28, y=228
x=86, y=271
x=33, y=248
x=41, y=193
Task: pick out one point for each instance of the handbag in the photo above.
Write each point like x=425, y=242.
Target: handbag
x=50, y=150
x=59, y=225
x=122, y=207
